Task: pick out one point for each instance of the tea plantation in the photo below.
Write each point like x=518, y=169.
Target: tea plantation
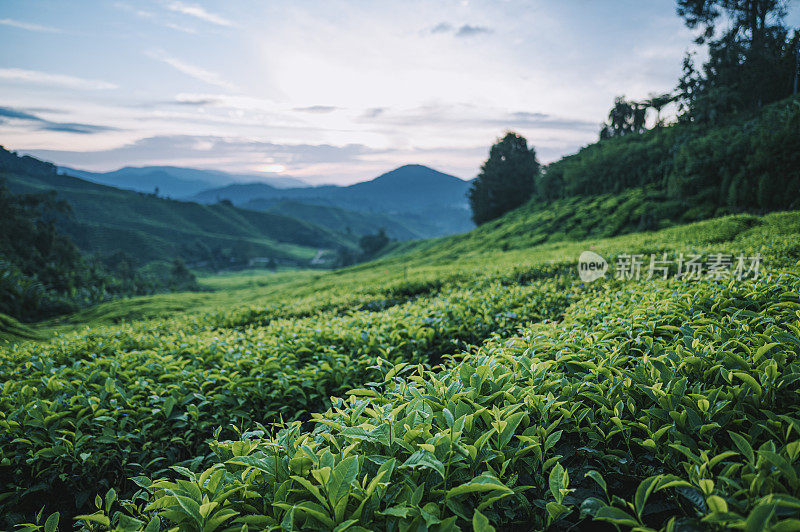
x=452, y=386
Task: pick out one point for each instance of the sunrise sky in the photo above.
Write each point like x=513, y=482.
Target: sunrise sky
x=326, y=91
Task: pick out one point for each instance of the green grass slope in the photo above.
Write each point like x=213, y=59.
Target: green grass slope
x=637, y=210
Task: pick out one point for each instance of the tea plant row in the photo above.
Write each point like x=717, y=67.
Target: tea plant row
x=666, y=405
x=87, y=413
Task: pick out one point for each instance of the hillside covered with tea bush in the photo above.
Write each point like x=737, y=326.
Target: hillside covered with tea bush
x=456, y=386
x=472, y=382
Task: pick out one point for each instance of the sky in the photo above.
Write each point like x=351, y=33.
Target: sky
x=328, y=91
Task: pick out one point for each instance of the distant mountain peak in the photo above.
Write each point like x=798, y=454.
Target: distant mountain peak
x=411, y=171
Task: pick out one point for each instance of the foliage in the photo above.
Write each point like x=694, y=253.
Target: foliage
x=440, y=400
x=751, y=62
x=625, y=117
x=741, y=165
x=371, y=244
x=147, y=397
x=37, y=264
x=43, y=273
x=684, y=415
x=506, y=180
x=12, y=330
x=745, y=168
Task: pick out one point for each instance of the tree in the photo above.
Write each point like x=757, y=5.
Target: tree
x=751, y=61
x=747, y=19
x=506, y=181
x=550, y=184
x=371, y=244
x=181, y=278
x=345, y=257
x=625, y=117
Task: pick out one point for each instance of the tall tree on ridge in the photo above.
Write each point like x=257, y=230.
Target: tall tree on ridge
x=624, y=118
x=506, y=180
x=751, y=61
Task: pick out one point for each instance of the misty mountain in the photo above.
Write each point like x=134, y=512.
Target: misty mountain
x=175, y=182
x=106, y=219
x=433, y=201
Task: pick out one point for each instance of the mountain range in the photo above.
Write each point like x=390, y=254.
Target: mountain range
x=292, y=226
x=106, y=219
x=414, y=201
x=174, y=181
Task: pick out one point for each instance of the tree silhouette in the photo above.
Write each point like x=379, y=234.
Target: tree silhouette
x=371, y=244
x=506, y=180
x=624, y=118
x=751, y=59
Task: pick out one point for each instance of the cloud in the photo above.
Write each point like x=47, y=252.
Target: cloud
x=136, y=11
x=191, y=70
x=442, y=27
x=317, y=109
x=46, y=78
x=73, y=127
x=543, y=120
x=149, y=15
x=194, y=10
x=7, y=113
x=464, y=116
x=28, y=26
x=48, y=110
x=466, y=30
x=207, y=151
x=179, y=27
x=196, y=101
x=374, y=112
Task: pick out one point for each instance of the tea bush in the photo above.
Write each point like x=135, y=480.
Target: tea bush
x=93, y=410
x=662, y=405
x=513, y=397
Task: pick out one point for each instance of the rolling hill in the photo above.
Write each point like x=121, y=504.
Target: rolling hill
x=435, y=201
x=343, y=220
x=106, y=219
x=173, y=181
